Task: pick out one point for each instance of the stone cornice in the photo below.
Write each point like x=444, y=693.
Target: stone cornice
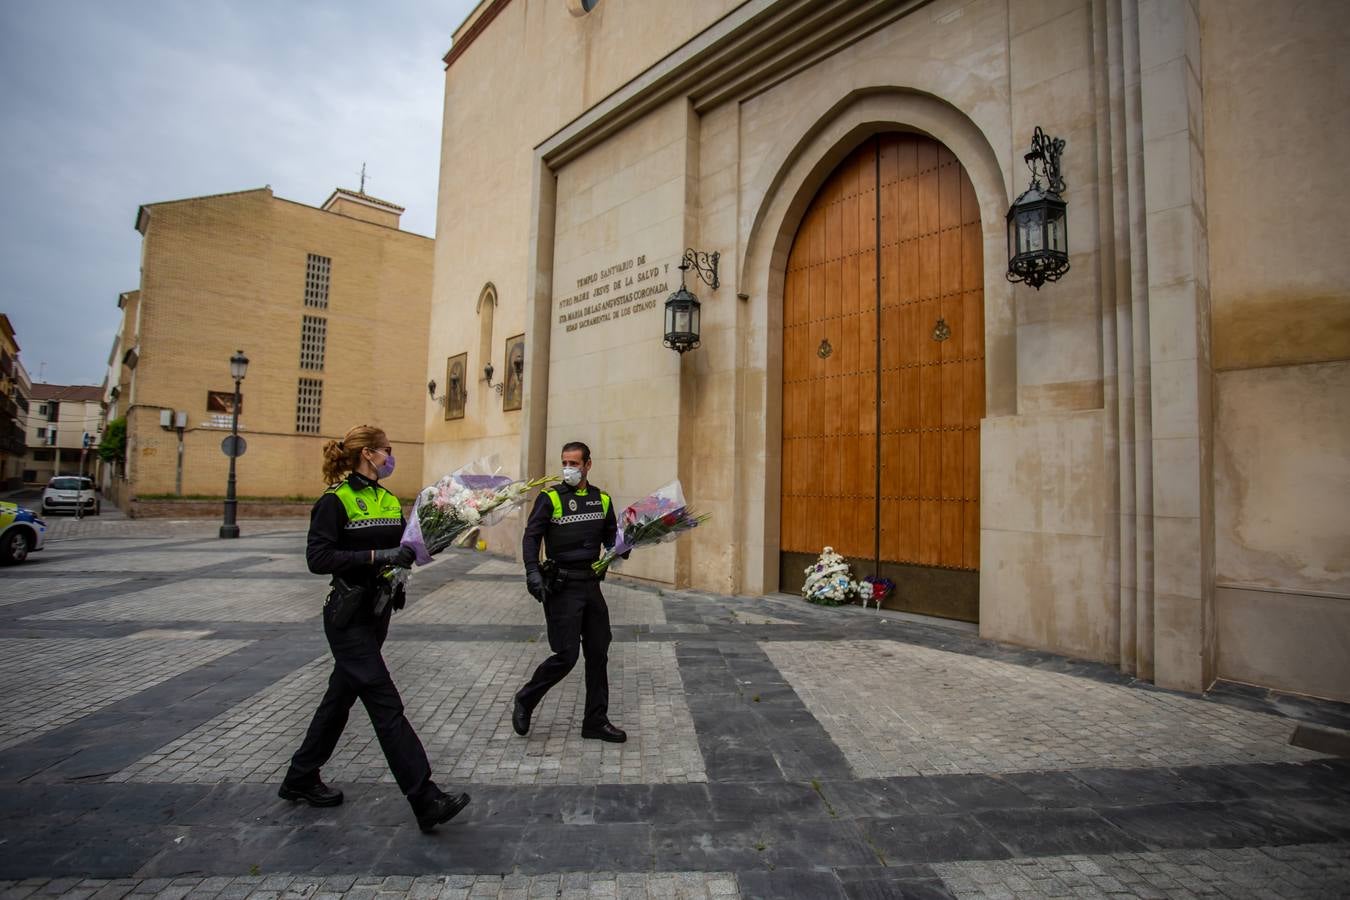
x=461, y=43
x=757, y=45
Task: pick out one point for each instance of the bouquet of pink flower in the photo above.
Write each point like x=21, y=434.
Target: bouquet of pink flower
x=450, y=512
x=655, y=519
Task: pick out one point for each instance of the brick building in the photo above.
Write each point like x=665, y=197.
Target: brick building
x=329, y=304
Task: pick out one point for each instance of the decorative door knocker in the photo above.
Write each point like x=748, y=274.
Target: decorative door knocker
x=941, y=331
x=824, y=350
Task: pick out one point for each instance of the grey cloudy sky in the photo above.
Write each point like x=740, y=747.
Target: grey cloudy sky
x=108, y=105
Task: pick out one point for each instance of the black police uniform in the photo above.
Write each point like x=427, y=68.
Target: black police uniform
x=340, y=547
x=578, y=619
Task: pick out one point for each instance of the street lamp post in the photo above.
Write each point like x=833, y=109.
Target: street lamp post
x=238, y=366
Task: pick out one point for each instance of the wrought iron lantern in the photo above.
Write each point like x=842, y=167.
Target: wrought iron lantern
x=1038, y=238
x=682, y=307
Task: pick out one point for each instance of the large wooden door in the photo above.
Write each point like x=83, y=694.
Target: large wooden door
x=885, y=467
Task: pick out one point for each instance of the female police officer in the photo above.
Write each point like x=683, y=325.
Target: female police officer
x=354, y=532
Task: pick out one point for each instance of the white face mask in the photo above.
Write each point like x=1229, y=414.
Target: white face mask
x=571, y=476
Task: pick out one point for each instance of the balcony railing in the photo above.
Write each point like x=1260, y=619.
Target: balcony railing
x=12, y=439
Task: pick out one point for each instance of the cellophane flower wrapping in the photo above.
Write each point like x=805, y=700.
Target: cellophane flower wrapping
x=655, y=519
x=829, y=582
x=472, y=496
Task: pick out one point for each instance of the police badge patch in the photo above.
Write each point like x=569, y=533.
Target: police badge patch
x=361, y=505
x=571, y=505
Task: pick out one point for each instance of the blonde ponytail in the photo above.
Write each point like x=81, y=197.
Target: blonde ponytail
x=341, y=457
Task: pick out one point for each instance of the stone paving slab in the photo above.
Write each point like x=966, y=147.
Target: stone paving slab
x=18, y=589
x=562, y=886
x=64, y=528
x=1296, y=871
x=206, y=600
x=45, y=684
x=498, y=566
x=458, y=697
x=287, y=564
x=905, y=710
x=508, y=603
x=1309, y=870
x=751, y=722
x=145, y=560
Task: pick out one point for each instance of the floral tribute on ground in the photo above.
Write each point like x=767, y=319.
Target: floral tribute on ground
x=655, y=519
x=450, y=512
x=830, y=582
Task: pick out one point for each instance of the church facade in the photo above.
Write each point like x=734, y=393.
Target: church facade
x=1145, y=463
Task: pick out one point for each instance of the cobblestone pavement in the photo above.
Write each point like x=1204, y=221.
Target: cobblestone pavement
x=154, y=680
x=916, y=711
x=65, y=680
x=505, y=602
x=459, y=694
x=571, y=886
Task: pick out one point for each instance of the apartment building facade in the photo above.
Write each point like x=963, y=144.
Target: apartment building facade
x=329, y=304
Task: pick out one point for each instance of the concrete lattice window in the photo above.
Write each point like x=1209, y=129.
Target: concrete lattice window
x=309, y=400
x=313, y=339
x=317, y=269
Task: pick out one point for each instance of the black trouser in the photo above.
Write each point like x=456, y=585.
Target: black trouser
x=359, y=672
x=578, y=619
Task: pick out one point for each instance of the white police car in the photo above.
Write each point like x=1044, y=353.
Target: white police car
x=21, y=533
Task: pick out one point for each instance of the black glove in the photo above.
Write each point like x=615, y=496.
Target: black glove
x=395, y=556
x=534, y=583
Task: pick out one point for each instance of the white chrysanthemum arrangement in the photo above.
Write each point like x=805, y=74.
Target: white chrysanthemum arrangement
x=829, y=582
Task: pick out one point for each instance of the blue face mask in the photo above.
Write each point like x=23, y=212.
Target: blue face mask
x=386, y=468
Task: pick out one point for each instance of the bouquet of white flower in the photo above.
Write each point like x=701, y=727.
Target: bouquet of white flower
x=828, y=582
x=451, y=511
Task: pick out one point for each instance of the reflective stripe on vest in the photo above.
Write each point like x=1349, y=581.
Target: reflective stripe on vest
x=559, y=519
x=578, y=522
x=368, y=507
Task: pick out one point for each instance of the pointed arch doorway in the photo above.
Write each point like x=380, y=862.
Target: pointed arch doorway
x=883, y=376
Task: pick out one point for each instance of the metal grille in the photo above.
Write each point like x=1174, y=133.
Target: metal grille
x=316, y=281
x=313, y=337
x=308, y=401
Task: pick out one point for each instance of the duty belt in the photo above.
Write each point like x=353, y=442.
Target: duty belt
x=586, y=574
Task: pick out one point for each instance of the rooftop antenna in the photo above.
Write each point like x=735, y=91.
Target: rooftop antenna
x=363, y=178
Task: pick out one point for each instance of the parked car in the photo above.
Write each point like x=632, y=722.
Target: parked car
x=21, y=533
x=70, y=492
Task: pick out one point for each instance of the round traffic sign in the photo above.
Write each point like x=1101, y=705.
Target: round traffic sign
x=234, y=445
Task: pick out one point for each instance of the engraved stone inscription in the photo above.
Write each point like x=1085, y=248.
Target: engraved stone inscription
x=614, y=292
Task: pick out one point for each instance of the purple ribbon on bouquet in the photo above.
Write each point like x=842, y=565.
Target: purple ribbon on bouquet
x=483, y=482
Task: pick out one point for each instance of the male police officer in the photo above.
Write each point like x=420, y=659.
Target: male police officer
x=574, y=520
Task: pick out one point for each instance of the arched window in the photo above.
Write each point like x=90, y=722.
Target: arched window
x=487, y=307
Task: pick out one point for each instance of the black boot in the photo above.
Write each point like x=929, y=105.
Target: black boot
x=439, y=809
x=315, y=793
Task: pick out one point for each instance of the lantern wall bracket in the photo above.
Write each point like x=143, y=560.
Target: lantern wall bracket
x=1044, y=159
x=703, y=264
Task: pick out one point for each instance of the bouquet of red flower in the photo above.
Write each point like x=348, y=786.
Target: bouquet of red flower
x=654, y=519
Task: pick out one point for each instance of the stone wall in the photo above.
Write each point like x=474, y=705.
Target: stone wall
x=1119, y=420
